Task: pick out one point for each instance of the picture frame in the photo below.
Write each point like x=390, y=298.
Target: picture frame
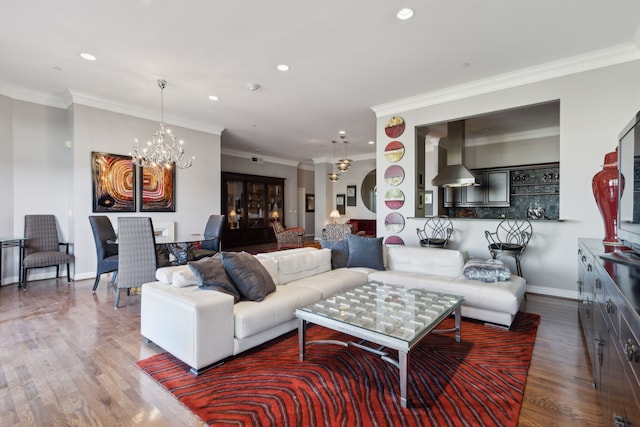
x=351, y=195
x=310, y=203
x=340, y=199
x=113, y=179
x=158, y=188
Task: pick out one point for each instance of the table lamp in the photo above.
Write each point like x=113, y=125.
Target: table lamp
x=275, y=215
x=232, y=217
x=335, y=215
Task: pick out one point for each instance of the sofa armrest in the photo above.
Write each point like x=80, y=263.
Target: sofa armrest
x=192, y=324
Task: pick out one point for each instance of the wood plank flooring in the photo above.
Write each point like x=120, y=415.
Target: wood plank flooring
x=68, y=359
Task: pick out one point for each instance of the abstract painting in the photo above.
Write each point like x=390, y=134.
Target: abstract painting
x=114, y=179
x=157, y=189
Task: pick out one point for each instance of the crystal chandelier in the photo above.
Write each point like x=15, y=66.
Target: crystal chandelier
x=334, y=177
x=345, y=163
x=164, y=149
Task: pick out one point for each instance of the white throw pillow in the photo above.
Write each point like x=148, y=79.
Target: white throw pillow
x=184, y=278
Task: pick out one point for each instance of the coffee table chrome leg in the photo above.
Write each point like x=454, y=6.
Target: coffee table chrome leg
x=403, y=360
x=458, y=314
x=302, y=330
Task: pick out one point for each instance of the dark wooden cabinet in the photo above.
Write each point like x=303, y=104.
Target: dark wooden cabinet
x=250, y=203
x=610, y=319
x=492, y=190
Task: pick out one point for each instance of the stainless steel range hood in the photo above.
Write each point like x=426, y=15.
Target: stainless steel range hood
x=455, y=174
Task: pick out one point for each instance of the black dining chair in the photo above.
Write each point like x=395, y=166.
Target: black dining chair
x=213, y=235
x=42, y=246
x=106, y=247
x=137, y=262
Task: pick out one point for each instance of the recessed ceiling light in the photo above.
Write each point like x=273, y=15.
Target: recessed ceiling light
x=253, y=86
x=371, y=142
x=342, y=132
x=213, y=97
x=283, y=67
x=88, y=56
x=404, y=14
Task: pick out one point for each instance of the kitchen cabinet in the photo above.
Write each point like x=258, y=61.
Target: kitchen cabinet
x=250, y=203
x=492, y=190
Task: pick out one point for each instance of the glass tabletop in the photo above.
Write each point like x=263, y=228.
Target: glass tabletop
x=395, y=311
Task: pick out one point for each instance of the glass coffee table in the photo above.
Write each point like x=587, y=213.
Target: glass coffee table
x=392, y=317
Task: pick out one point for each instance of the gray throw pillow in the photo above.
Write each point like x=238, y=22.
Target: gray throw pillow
x=211, y=274
x=250, y=277
x=339, y=252
x=365, y=252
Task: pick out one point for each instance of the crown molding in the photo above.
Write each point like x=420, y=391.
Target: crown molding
x=131, y=110
x=251, y=156
x=27, y=95
x=69, y=97
x=355, y=158
x=514, y=136
x=597, y=59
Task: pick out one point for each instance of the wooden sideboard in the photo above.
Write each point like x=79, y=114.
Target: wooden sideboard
x=610, y=319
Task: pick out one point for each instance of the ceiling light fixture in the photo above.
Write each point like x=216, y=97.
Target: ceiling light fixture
x=213, y=97
x=88, y=56
x=345, y=163
x=253, y=86
x=282, y=67
x=334, y=177
x=164, y=149
x=404, y=14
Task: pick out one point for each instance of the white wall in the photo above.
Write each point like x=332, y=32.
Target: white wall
x=594, y=107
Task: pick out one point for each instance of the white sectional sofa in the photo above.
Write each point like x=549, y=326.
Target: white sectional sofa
x=442, y=270
x=202, y=327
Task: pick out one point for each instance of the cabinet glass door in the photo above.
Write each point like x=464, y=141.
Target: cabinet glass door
x=276, y=201
x=256, y=206
x=235, y=210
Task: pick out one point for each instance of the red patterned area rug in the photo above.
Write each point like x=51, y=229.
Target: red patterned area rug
x=477, y=382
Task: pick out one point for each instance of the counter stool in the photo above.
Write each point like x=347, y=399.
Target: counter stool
x=510, y=238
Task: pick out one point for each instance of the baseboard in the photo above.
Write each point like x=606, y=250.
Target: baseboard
x=553, y=292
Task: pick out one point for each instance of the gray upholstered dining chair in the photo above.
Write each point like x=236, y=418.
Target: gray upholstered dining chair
x=42, y=246
x=137, y=261
x=106, y=247
x=213, y=233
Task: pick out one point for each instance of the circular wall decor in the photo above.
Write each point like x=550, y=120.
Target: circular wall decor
x=394, y=222
x=394, y=175
x=394, y=240
x=394, y=198
x=394, y=127
x=394, y=151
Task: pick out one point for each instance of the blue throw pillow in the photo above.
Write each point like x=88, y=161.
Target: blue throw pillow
x=339, y=252
x=365, y=252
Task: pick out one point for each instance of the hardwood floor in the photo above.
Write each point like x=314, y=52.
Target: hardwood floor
x=68, y=359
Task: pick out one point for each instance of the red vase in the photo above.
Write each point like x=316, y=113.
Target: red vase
x=605, y=188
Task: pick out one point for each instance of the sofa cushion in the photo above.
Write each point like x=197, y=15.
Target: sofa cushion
x=210, y=274
x=165, y=274
x=249, y=276
x=334, y=281
x=365, y=252
x=298, y=265
x=184, y=278
x=277, y=308
x=339, y=252
x=430, y=261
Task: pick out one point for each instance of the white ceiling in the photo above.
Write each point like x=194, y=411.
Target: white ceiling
x=345, y=57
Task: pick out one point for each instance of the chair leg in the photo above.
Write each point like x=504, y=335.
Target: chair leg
x=23, y=282
x=57, y=271
x=68, y=274
x=113, y=277
x=117, y=301
x=95, y=284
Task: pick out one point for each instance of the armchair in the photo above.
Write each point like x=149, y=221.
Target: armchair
x=289, y=237
x=335, y=232
x=42, y=247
